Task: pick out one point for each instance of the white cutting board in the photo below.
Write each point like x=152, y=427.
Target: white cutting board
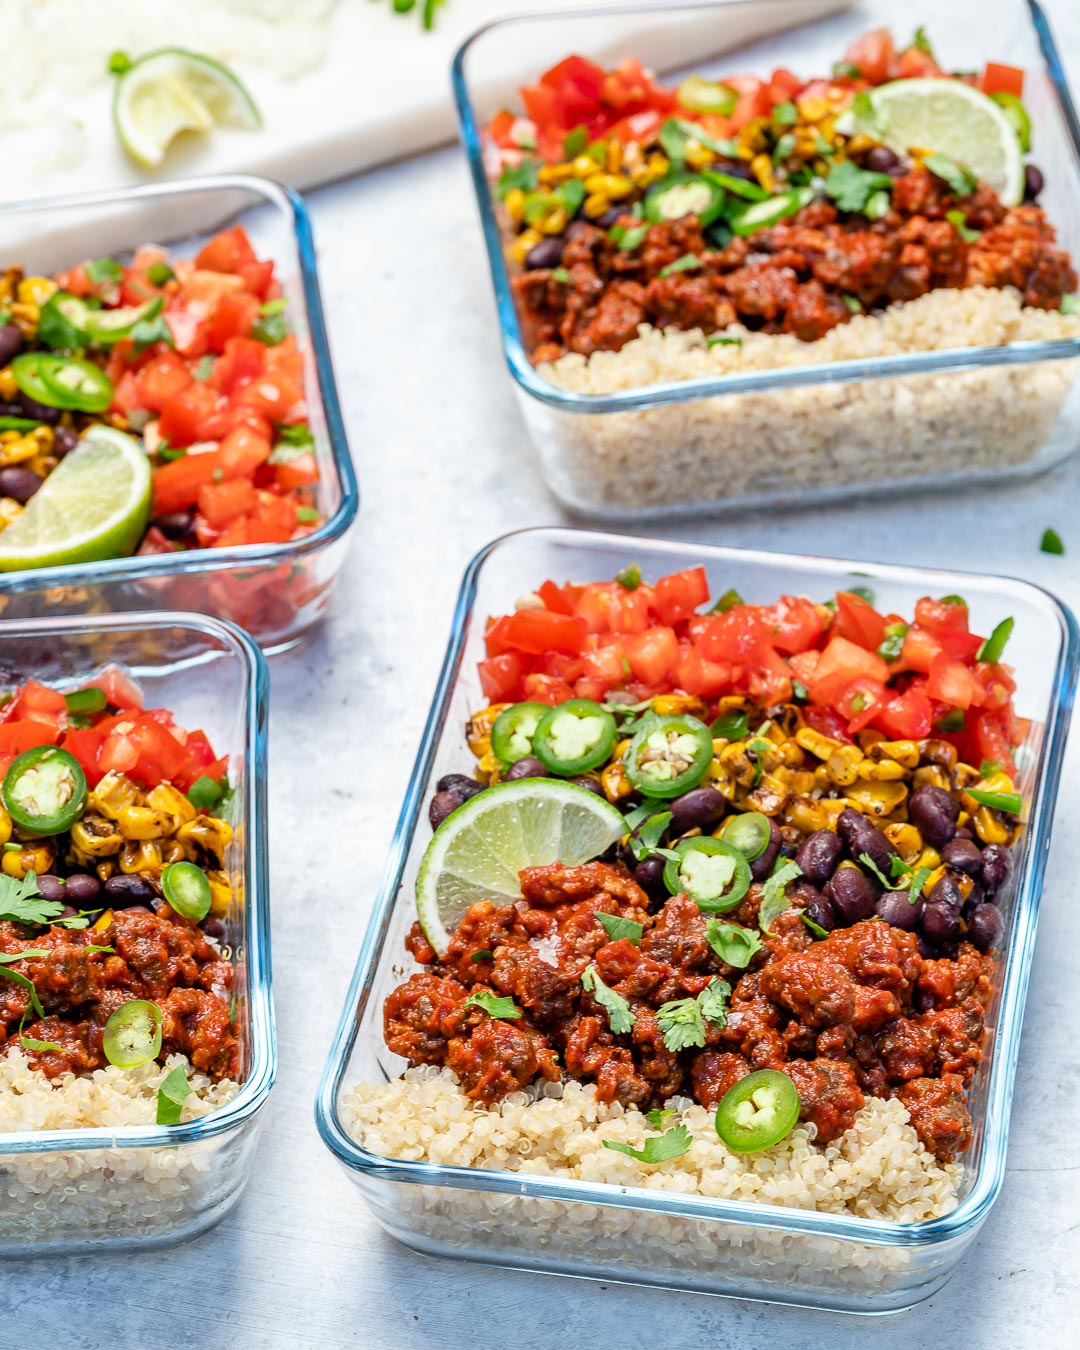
x=380, y=89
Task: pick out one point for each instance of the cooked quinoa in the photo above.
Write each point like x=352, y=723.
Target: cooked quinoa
x=878, y=1169
x=777, y=445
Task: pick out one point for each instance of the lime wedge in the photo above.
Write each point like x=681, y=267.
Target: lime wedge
x=95, y=504
x=172, y=90
x=477, y=852
x=950, y=118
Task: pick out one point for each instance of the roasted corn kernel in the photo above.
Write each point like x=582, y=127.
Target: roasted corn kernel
x=615, y=783
x=112, y=795
x=478, y=731
x=96, y=837
x=30, y=858
x=141, y=822
x=141, y=856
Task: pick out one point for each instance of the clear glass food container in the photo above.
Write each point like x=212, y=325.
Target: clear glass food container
x=975, y=396
x=127, y=1186
x=658, y=1237
x=277, y=592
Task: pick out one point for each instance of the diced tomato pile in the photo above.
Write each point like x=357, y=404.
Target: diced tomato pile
x=627, y=102
x=211, y=405
x=590, y=641
x=145, y=744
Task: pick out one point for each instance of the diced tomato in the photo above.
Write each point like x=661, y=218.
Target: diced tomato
x=85, y=744
x=222, y=502
x=500, y=677
x=990, y=736
x=907, y=716
x=272, y=395
x=40, y=698
x=653, y=654
x=184, y=415
x=770, y=677
x=541, y=104
x=860, y=702
x=223, y=420
x=960, y=646
x=804, y=666
x=938, y=616
x=737, y=636
x=999, y=79
x=242, y=452
x=258, y=277
x=232, y=318
x=872, y=55
x=563, y=666
x=605, y=665
x=126, y=394
x=301, y=472
x=783, y=86
x=18, y=737
x=828, y=722
x=919, y=649
x=696, y=675
x=546, y=689
x=228, y=251
x=594, y=606
x=161, y=379
x=555, y=598
x=842, y=662
x=952, y=683
x=796, y=623
x=500, y=126
x=538, y=630
x=177, y=484
x=915, y=64
x=858, y=621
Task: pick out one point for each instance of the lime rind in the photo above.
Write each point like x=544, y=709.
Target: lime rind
x=478, y=851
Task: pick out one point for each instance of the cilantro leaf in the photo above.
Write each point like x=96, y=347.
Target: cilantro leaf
x=732, y=726
x=616, y=927
x=713, y=1001
x=921, y=41
x=104, y=269
x=31, y=953
x=651, y=805
x=658, y=1148
x=22, y=901
x=645, y=838
x=148, y=331
x=814, y=928
x=490, y=1003
x=171, y=1096
x=872, y=866
x=958, y=220
x=523, y=176
x=734, y=945
x=959, y=178
x=727, y=601
x=851, y=187
x=1051, y=542
x=681, y=1023
x=865, y=116
x=658, y=1117
x=773, y=900
x=620, y=1018
x=483, y=954
x=918, y=881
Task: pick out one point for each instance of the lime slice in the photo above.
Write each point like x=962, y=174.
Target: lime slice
x=172, y=90
x=477, y=852
x=950, y=118
x=95, y=504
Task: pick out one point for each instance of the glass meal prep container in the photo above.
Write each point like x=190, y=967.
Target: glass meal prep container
x=277, y=592
x=126, y=1187
x=658, y=1237
x=628, y=439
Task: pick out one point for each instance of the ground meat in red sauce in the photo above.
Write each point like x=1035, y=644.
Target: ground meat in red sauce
x=792, y=277
x=857, y=1013
x=154, y=956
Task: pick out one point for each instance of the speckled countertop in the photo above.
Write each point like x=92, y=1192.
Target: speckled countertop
x=444, y=466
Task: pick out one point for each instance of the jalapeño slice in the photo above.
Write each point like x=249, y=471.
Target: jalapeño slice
x=187, y=890
x=669, y=755
x=67, y=321
x=714, y=874
x=748, y=832
x=62, y=381
x=759, y=1111
x=514, y=729
x=44, y=790
x=684, y=194
x=133, y=1034
x=574, y=737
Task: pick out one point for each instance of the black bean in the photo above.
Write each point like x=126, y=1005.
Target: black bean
x=19, y=482
x=964, y=856
x=41, y=411
x=68, y=912
x=818, y=856
x=962, y=832
x=812, y=903
x=929, y=952
x=449, y=781
x=852, y=894
x=123, y=890
x=996, y=866
x=51, y=888
x=610, y=217
x=526, y=767
x=941, y=918
x=83, y=889
x=589, y=782
x=547, y=253
x=696, y=809
x=1034, y=182
x=649, y=875
x=895, y=908
x=985, y=927
x=443, y=804
x=64, y=441
x=576, y=229
x=11, y=341
x=175, y=524
x=862, y=836
x=933, y=812
x=761, y=867
x=213, y=926
x=881, y=159
x=737, y=168
x=976, y=897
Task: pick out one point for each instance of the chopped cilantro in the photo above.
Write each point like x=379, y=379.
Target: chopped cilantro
x=575, y=142
x=773, y=900
x=731, y=726
x=490, y=1003
x=22, y=902
x=484, y=954
x=104, y=269
x=959, y=221
x=560, y=274
x=521, y=176
x=171, y=1096
x=960, y=179
x=658, y=1148
x=719, y=340
x=785, y=114
x=851, y=187
x=922, y=42
x=734, y=945
x=616, y=927
x=658, y=1117
x=620, y=1018
x=814, y=928
x=727, y=601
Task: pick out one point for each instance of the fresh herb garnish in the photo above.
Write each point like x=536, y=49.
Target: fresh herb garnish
x=918, y=881
x=959, y=221
x=575, y=142
x=628, y=239
x=713, y=1001
x=658, y=1148
x=954, y=600
x=960, y=179
x=682, y=1021
x=159, y=273
x=773, y=900
x=204, y=794
x=484, y=954
x=731, y=726
x=22, y=901
x=953, y=720
x=620, y=1018
x=649, y=807
x=687, y=263
x=560, y=274
x=490, y=1003
x=39, y=1047
x=31, y=953
x=629, y=578
x=148, y=331
x=734, y=945
x=521, y=176
x=104, y=269
x=1052, y=542
x=719, y=340
x=814, y=928
x=616, y=927
x=1010, y=803
x=785, y=114
x=992, y=649
x=659, y=1116
x=851, y=187
x=76, y=921
x=727, y=601
x=783, y=149
x=755, y=749
x=844, y=70
x=877, y=204
x=989, y=767
x=866, y=117
x=1070, y=304
x=921, y=41
x=171, y=1096
x=893, y=643
x=271, y=327
x=799, y=691
x=645, y=839
x=307, y=515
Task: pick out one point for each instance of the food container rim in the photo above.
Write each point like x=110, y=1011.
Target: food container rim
x=879, y=1232
x=683, y=391
x=262, y=1048
x=291, y=205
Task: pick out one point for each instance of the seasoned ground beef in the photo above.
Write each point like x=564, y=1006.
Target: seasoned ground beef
x=802, y=276
x=859, y=1012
